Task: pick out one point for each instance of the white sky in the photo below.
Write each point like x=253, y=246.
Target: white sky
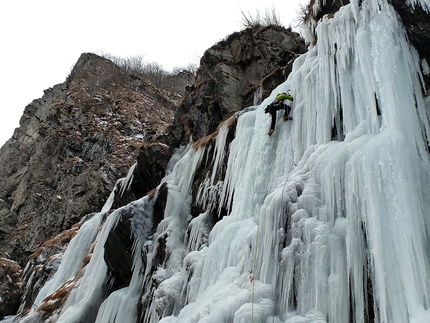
x=41, y=40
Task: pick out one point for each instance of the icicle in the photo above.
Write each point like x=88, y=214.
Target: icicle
x=90, y=290
x=198, y=231
x=258, y=96
x=128, y=180
x=121, y=305
x=208, y=192
x=72, y=261
x=184, y=170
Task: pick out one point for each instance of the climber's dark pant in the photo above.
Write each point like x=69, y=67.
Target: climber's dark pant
x=273, y=114
x=274, y=108
x=287, y=110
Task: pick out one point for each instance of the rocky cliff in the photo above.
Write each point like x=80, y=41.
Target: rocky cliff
x=75, y=142
x=72, y=145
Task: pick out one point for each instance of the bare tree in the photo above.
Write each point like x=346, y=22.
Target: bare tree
x=155, y=73
x=302, y=15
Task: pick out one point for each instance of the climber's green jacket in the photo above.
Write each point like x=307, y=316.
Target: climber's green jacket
x=283, y=96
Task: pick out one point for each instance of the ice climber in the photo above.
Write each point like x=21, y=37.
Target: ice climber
x=276, y=105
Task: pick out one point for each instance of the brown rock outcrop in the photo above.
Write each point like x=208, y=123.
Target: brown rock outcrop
x=232, y=70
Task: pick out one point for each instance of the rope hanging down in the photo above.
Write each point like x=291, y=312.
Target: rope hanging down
x=252, y=272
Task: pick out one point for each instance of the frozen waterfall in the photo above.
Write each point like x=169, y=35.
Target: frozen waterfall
x=329, y=218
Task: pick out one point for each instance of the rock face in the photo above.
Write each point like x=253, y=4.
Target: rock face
x=72, y=145
x=233, y=71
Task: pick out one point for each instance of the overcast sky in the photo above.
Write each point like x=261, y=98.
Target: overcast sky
x=42, y=39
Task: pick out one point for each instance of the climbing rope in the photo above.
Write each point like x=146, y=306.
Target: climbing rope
x=252, y=273
x=277, y=249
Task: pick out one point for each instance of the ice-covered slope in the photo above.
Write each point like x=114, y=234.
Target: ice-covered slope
x=328, y=218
